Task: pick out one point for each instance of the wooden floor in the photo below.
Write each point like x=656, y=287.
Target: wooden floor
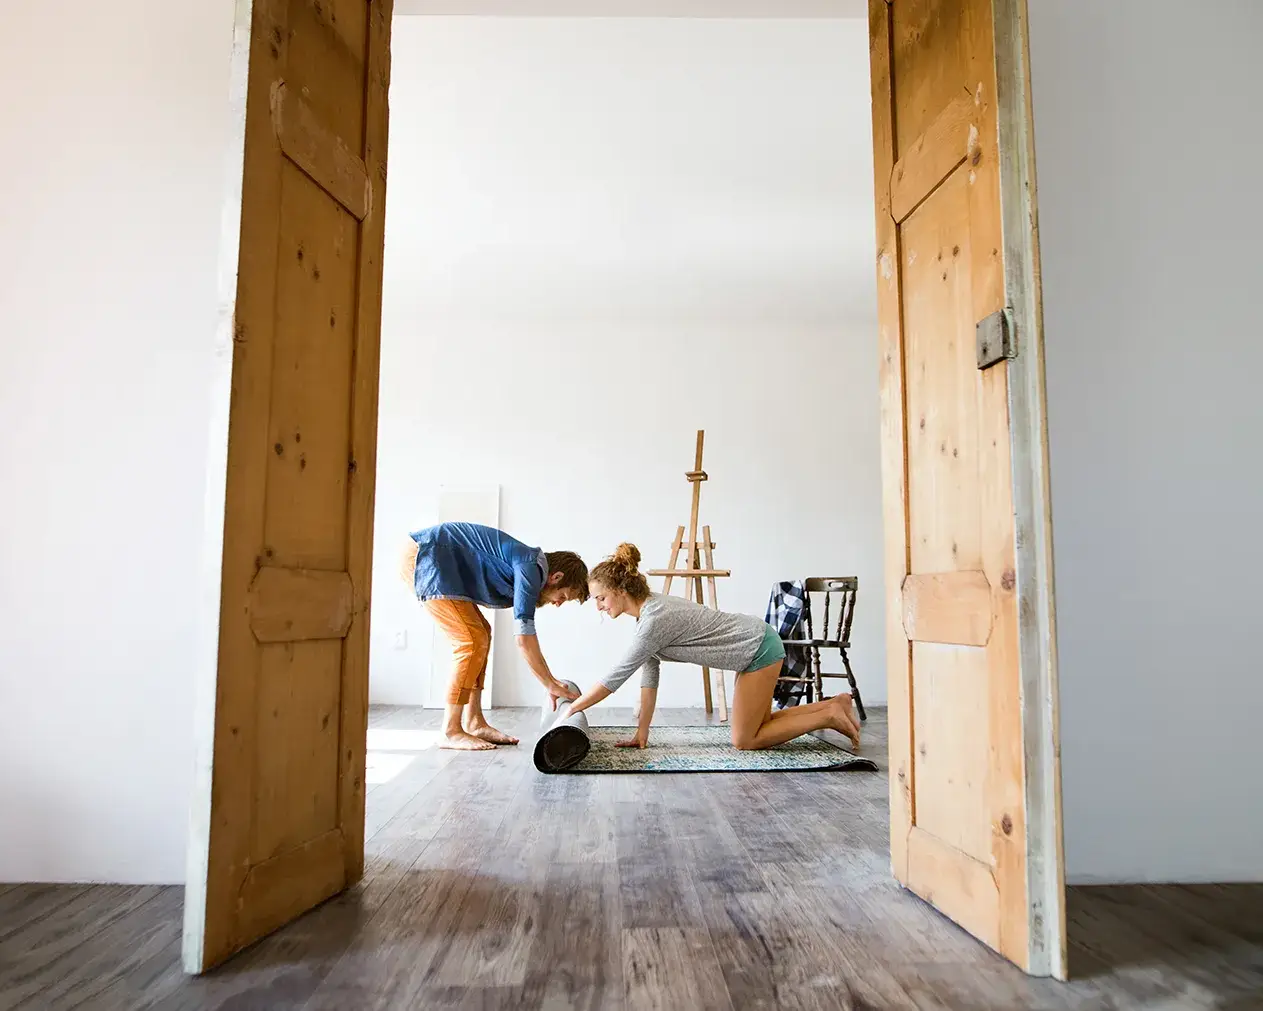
x=490, y=886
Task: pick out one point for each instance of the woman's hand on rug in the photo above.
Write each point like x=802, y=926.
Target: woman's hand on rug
x=638, y=740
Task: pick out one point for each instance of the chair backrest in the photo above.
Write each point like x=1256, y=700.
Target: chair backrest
x=839, y=597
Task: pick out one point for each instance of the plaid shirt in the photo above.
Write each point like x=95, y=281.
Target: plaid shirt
x=787, y=608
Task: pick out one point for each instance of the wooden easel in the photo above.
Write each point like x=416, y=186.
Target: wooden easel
x=693, y=573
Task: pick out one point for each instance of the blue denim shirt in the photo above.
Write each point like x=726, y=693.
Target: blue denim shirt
x=468, y=561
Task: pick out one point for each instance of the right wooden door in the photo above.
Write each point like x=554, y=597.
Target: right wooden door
x=961, y=781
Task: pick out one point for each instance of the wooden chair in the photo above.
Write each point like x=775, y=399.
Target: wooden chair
x=839, y=593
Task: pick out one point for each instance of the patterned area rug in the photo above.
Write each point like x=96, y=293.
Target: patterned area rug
x=709, y=749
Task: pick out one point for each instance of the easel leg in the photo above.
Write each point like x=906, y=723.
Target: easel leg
x=722, y=689
x=695, y=590
x=714, y=606
x=675, y=555
x=695, y=584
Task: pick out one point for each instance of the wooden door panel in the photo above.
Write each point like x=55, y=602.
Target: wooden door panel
x=324, y=60
x=932, y=156
x=956, y=734
x=930, y=51
x=293, y=605
x=948, y=607
x=279, y=826
x=942, y=383
x=311, y=389
x=951, y=727
x=322, y=155
x=276, y=891
x=298, y=688
x=964, y=888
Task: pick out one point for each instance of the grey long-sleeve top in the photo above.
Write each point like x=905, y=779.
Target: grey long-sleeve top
x=672, y=628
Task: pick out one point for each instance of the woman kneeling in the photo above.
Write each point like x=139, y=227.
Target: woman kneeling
x=675, y=629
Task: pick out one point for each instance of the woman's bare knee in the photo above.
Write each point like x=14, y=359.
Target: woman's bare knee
x=743, y=740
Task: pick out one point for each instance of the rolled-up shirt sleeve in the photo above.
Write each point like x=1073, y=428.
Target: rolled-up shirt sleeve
x=528, y=582
x=642, y=653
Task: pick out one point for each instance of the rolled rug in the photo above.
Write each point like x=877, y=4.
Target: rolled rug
x=563, y=741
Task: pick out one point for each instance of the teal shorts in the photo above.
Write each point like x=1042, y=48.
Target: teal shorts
x=770, y=650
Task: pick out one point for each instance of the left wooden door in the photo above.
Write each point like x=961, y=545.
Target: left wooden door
x=278, y=818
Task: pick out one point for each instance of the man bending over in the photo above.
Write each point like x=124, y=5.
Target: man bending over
x=453, y=568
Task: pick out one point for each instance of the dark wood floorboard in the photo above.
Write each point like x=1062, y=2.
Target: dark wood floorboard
x=489, y=886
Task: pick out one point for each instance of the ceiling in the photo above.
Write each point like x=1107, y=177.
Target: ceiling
x=639, y=8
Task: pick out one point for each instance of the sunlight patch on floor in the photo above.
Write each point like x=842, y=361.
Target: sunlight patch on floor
x=403, y=739
x=383, y=766
x=390, y=751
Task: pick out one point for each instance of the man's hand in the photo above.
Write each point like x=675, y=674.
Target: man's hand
x=638, y=740
x=559, y=693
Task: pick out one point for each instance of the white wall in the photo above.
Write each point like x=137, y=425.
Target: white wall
x=108, y=236
x=601, y=236
x=1148, y=150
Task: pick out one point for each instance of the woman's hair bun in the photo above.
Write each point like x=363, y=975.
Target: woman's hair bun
x=621, y=572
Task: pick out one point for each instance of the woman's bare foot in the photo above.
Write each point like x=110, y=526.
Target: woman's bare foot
x=462, y=741
x=486, y=732
x=845, y=700
x=843, y=720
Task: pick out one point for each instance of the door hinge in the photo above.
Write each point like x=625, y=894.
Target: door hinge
x=997, y=338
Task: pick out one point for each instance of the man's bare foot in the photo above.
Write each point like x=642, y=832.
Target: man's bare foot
x=843, y=720
x=486, y=732
x=462, y=741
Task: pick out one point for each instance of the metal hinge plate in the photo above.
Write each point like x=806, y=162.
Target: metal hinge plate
x=997, y=339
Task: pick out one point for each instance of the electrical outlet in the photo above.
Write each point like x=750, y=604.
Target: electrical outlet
x=401, y=639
